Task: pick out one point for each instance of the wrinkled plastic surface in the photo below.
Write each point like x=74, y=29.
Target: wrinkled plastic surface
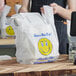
x=36, y=37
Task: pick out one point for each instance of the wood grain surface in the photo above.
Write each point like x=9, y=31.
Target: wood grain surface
x=7, y=41
x=61, y=67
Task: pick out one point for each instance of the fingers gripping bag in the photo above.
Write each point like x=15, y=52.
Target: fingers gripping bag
x=36, y=37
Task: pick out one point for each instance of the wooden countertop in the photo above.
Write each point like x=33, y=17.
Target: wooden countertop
x=60, y=67
x=7, y=41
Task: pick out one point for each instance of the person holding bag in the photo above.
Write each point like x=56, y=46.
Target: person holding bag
x=60, y=16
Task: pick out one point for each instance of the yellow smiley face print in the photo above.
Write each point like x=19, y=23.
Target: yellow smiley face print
x=10, y=31
x=45, y=46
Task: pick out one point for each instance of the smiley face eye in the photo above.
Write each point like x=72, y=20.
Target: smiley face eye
x=46, y=44
x=42, y=44
x=9, y=28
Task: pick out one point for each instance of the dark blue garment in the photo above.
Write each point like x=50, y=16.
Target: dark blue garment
x=60, y=26
x=62, y=36
x=36, y=4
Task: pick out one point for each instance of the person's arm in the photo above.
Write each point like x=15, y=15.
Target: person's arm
x=25, y=6
x=65, y=13
x=1, y=5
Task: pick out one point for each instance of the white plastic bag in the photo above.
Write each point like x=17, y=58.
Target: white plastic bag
x=36, y=37
x=17, y=7
x=6, y=24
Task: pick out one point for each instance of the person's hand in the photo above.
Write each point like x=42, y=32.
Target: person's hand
x=23, y=10
x=42, y=10
x=56, y=8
